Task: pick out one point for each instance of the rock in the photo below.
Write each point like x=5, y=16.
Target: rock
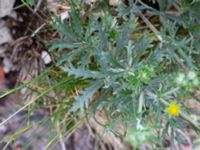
x=7, y=65
x=6, y=7
x=46, y=57
x=3, y=128
x=5, y=36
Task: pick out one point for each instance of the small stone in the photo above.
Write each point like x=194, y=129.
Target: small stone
x=3, y=128
x=114, y=2
x=7, y=65
x=64, y=15
x=46, y=57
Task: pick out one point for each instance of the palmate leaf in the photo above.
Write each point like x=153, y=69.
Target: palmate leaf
x=82, y=101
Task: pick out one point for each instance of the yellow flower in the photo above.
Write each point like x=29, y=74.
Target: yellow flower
x=173, y=109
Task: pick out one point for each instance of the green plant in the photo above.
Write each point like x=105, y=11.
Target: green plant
x=137, y=63
x=132, y=72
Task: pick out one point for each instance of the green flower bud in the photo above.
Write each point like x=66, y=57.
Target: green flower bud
x=180, y=78
x=191, y=75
